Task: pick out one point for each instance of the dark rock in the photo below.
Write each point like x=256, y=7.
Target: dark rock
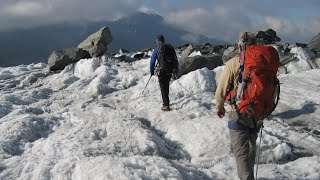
x=139, y=55
x=125, y=58
x=59, y=59
x=297, y=45
x=265, y=37
x=121, y=51
x=316, y=132
x=191, y=63
x=146, y=50
x=185, y=53
x=213, y=61
x=287, y=58
x=197, y=62
x=183, y=47
x=317, y=62
x=229, y=53
x=315, y=43
x=219, y=49
x=262, y=35
x=272, y=35
x=96, y=44
x=205, y=49
x=286, y=48
x=303, y=45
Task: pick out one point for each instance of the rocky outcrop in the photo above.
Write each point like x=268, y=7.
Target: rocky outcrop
x=267, y=37
x=229, y=53
x=96, y=44
x=121, y=51
x=315, y=43
x=197, y=62
x=187, y=51
x=59, y=59
x=139, y=55
x=213, y=61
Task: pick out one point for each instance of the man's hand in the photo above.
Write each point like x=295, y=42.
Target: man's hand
x=221, y=111
x=174, y=76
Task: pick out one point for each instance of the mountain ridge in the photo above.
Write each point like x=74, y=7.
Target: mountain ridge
x=133, y=32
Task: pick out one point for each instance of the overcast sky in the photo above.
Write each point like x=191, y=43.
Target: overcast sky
x=293, y=20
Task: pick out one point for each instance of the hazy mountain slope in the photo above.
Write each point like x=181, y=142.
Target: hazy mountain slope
x=136, y=31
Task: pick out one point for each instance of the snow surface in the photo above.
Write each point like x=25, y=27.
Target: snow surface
x=90, y=121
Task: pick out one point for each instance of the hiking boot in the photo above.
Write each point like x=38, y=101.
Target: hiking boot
x=165, y=108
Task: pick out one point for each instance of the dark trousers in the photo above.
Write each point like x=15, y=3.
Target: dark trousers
x=164, y=81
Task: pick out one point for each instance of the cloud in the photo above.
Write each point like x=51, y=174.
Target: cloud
x=218, y=22
x=225, y=21
x=30, y=13
x=294, y=20
x=294, y=31
x=26, y=9
x=148, y=10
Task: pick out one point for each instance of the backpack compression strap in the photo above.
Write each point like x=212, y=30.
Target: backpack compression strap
x=243, y=48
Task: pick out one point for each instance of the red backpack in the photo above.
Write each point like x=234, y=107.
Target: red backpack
x=258, y=94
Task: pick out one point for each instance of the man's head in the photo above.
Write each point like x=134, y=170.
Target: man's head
x=248, y=38
x=160, y=39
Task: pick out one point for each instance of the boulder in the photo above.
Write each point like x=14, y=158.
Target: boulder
x=183, y=47
x=267, y=37
x=315, y=43
x=317, y=62
x=96, y=44
x=297, y=45
x=139, y=55
x=213, y=61
x=272, y=36
x=206, y=49
x=264, y=37
x=59, y=59
x=185, y=53
x=229, y=53
x=219, y=49
x=189, y=64
x=287, y=58
x=122, y=51
x=124, y=58
x=146, y=50
x=314, y=63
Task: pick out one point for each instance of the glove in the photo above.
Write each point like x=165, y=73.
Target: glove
x=221, y=111
x=174, y=76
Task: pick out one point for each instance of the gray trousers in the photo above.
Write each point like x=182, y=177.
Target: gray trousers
x=243, y=145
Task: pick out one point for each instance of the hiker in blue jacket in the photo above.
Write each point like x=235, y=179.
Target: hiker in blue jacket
x=166, y=67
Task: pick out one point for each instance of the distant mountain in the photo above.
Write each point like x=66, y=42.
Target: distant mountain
x=136, y=31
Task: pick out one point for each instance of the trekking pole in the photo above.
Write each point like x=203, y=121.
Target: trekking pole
x=259, y=153
x=146, y=85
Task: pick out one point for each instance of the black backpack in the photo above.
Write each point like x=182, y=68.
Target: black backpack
x=167, y=58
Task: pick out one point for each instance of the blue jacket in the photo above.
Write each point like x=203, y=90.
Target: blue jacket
x=153, y=60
